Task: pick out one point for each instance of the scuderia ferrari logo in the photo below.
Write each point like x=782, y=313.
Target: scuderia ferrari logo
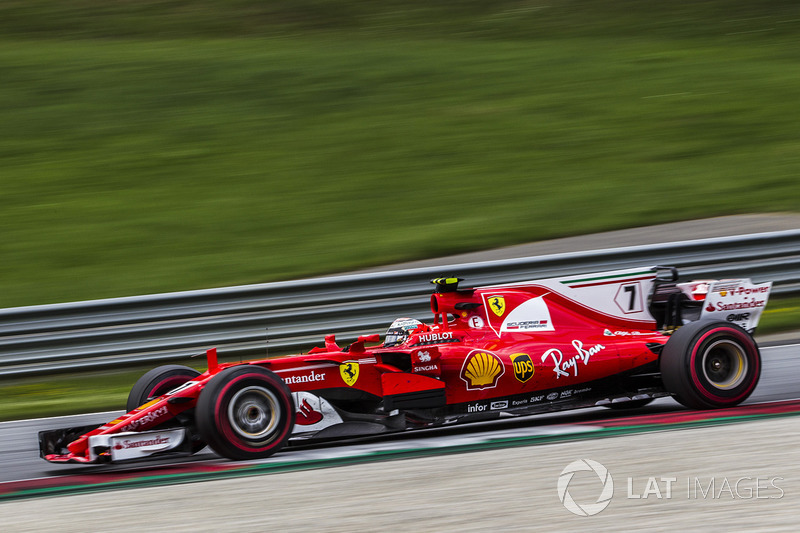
x=349, y=372
x=497, y=304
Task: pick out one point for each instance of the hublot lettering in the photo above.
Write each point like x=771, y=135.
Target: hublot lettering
x=435, y=337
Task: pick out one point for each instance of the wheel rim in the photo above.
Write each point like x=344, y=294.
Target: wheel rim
x=253, y=413
x=724, y=364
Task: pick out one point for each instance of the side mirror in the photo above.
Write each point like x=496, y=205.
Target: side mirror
x=358, y=346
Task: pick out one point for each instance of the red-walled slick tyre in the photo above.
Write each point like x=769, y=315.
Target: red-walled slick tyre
x=709, y=365
x=159, y=381
x=245, y=412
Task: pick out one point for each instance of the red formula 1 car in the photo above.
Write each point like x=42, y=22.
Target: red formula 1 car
x=615, y=339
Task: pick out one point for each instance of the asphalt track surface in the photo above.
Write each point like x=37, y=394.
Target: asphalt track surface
x=20, y=461
x=738, y=476
x=311, y=499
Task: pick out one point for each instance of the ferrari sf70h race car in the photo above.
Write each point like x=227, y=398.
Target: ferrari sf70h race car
x=615, y=339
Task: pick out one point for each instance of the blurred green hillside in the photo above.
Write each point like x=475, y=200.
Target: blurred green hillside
x=154, y=146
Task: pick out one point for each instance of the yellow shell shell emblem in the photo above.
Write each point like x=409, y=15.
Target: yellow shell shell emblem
x=349, y=372
x=482, y=370
x=497, y=304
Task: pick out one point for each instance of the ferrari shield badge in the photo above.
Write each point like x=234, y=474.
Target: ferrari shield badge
x=349, y=372
x=497, y=304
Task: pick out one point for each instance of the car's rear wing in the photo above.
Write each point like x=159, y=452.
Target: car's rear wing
x=739, y=301
x=653, y=298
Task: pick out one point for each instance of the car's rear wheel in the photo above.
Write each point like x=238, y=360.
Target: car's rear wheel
x=245, y=412
x=709, y=365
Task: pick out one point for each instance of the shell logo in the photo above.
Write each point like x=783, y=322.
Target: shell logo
x=482, y=370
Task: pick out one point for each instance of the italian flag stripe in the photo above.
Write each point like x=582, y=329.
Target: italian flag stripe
x=617, y=277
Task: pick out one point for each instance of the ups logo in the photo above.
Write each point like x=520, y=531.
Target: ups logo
x=523, y=366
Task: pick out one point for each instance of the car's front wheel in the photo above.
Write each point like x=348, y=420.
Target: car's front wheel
x=709, y=365
x=158, y=382
x=245, y=412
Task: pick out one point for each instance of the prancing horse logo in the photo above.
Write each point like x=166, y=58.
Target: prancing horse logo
x=349, y=372
x=497, y=304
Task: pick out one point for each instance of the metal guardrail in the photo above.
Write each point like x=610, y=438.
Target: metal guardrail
x=295, y=315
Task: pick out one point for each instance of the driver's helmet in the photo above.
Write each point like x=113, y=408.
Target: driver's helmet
x=400, y=330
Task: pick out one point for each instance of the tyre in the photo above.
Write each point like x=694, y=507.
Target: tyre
x=710, y=365
x=157, y=382
x=245, y=412
x=633, y=404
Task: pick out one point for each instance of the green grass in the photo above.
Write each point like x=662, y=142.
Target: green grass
x=163, y=145
x=65, y=394
x=781, y=314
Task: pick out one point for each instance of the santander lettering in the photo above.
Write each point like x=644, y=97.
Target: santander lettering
x=308, y=378
x=561, y=366
x=736, y=305
x=157, y=441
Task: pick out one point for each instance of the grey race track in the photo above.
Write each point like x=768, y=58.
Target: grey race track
x=19, y=459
